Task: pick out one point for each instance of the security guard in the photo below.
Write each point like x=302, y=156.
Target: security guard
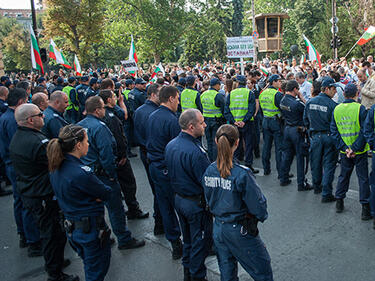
x=269, y=101
x=292, y=110
x=239, y=110
x=26, y=226
x=80, y=195
x=124, y=169
x=213, y=104
x=72, y=111
x=186, y=162
x=190, y=97
x=81, y=95
x=162, y=127
x=29, y=158
x=101, y=158
x=237, y=203
x=317, y=118
x=141, y=116
x=53, y=115
x=347, y=128
x=369, y=133
x=138, y=95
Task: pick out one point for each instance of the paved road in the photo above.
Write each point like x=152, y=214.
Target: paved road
x=307, y=240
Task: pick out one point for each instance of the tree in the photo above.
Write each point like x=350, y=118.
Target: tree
x=237, y=17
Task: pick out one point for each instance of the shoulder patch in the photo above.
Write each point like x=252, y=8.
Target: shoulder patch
x=111, y=114
x=45, y=140
x=244, y=167
x=86, y=168
x=101, y=122
x=202, y=149
x=55, y=115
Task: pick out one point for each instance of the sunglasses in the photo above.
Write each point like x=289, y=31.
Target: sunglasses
x=40, y=114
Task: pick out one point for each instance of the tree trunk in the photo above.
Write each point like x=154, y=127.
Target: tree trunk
x=156, y=58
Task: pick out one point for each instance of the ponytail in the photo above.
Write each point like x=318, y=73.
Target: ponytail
x=226, y=137
x=55, y=155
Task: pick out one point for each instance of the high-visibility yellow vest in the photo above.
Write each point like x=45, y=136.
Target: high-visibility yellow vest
x=188, y=97
x=267, y=102
x=126, y=93
x=208, y=103
x=67, y=90
x=239, y=103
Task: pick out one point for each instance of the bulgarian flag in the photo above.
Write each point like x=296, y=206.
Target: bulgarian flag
x=264, y=71
x=311, y=51
x=367, y=36
x=77, y=66
x=158, y=68
x=36, y=60
x=57, y=55
x=132, y=53
x=303, y=59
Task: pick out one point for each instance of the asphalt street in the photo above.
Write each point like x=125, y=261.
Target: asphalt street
x=306, y=239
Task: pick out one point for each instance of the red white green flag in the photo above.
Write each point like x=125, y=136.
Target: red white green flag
x=158, y=68
x=36, y=60
x=264, y=71
x=77, y=66
x=367, y=36
x=311, y=51
x=132, y=53
x=57, y=55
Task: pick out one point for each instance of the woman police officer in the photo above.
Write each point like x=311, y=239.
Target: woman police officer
x=80, y=194
x=237, y=203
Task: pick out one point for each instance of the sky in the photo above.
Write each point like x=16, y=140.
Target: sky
x=15, y=4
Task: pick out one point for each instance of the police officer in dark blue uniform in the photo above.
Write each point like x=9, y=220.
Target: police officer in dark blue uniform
x=141, y=116
x=59, y=86
x=292, y=110
x=186, y=162
x=101, y=158
x=93, y=88
x=162, y=127
x=53, y=115
x=81, y=94
x=80, y=195
x=26, y=227
x=138, y=95
x=323, y=153
x=181, y=84
x=3, y=97
x=237, y=203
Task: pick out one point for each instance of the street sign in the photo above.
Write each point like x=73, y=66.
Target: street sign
x=255, y=35
x=336, y=29
x=334, y=20
x=240, y=47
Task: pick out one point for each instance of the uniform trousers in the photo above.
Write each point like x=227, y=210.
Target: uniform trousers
x=210, y=133
x=247, y=135
x=128, y=185
x=271, y=133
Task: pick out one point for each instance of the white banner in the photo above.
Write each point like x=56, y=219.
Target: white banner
x=240, y=47
x=129, y=65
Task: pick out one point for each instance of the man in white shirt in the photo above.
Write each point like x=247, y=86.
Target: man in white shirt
x=304, y=86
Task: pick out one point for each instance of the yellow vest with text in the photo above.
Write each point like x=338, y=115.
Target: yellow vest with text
x=210, y=110
x=267, y=102
x=67, y=90
x=239, y=103
x=188, y=97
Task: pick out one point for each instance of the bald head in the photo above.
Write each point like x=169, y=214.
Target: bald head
x=4, y=92
x=189, y=116
x=59, y=101
x=40, y=100
x=24, y=112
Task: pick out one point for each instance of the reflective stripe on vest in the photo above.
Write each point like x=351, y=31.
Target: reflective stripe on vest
x=267, y=102
x=239, y=103
x=67, y=90
x=208, y=103
x=347, y=121
x=126, y=93
x=188, y=97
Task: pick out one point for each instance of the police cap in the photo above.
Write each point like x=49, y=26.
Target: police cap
x=190, y=80
x=129, y=82
x=241, y=79
x=139, y=81
x=182, y=81
x=328, y=82
x=93, y=81
x=351, y=89
x=85, y=78
x=71, y=79
x=214, y=81
x=273, y=78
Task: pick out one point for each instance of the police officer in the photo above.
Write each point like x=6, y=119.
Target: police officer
x=124, y=169
x=239, y=110
x=181, y=85
x=347, y=128
x=186, y=162
x=237, y=203
x=59, y=86
x=72, y=111
x=81, y=94
x=317, y=118
x=141, y=116
x=29, y=159
x=93, y=88
x=213, y=104
x=101, y=158
x=80, y=195
x=269, y=101
x=26, y=227
x=190, y=97
x=162, y=127
x=53, y=115
x=40, y=99
x=292, y=110
x=138, y=95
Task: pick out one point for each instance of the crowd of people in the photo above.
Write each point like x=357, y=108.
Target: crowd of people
x=66, y=144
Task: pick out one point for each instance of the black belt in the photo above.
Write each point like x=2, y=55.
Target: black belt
x=84, y=224
x=195, y=198
x=319, y=133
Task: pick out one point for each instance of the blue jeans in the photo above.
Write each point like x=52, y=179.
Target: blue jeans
x=247, y=135
x=347, y=166
x=271, y=133
x=210, y=132
x=196, y=227
x=323, y=155
x=293, y=146
x=116, y=212
x=96, y=258
x=24, y=218
x=249, y=251
x=165, y=197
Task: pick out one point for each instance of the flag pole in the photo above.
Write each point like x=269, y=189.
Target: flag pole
x=355, y=44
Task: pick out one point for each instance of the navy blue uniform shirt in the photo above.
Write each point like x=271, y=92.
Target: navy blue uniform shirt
x=292, y=110
x=369, y=129
x=318, y=113
x=3, y=106
x=250, y=109
x=232, y=198
x=81, y=95
x=186, y=161
x=102, y=149
x=141, y=116
x=53, y=122
x=162, y=127
x=8, y=127
x=136, y=98
x=76, y=188
x=360, y=142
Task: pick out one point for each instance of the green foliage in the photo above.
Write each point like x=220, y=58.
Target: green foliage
x=237, y=26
